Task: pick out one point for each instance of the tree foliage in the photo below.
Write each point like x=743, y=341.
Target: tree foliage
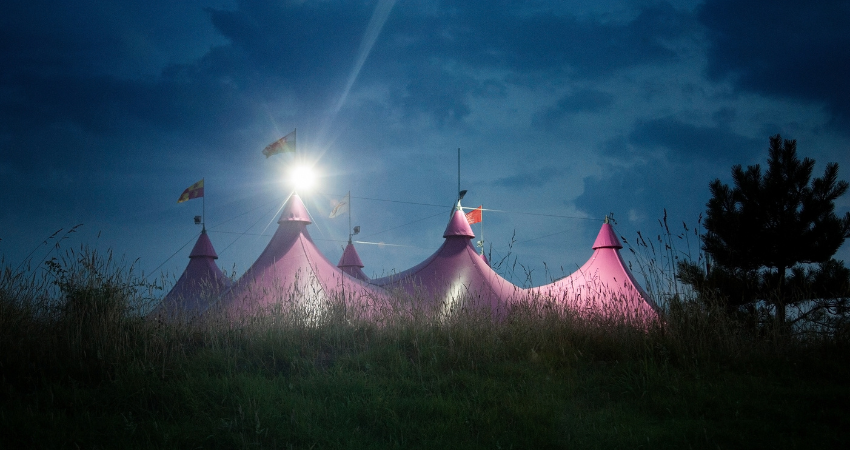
x=767, y=224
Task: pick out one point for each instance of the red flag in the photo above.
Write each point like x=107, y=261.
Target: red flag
x=474, y=216
x=194, y=191
x=285, y=144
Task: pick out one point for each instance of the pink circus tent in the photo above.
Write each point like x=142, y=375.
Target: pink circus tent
x=292, y=271
x=455, y=275
x=603, y=285
x=350, y=263
x=200, y=284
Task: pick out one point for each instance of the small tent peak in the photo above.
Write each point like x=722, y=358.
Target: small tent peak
x=203, y=247
x=607, y=238
x=294, y=211
x=350, y=258
x=458, y=226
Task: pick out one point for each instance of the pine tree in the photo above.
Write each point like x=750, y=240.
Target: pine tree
x=767, y=224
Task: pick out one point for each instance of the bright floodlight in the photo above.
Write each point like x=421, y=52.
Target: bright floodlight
x=302, y=177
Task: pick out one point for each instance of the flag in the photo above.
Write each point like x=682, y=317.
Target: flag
x=194, y=191
x=341, y=206
x=474, y=216
x=285, y=144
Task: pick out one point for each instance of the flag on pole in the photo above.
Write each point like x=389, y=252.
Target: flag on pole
x=341, y=206
x=194, y=191
x=474, y=216
x=285, y=144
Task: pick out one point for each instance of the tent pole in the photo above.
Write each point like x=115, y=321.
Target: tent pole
x=204, y=207
x=349, y=217
x=482, y=232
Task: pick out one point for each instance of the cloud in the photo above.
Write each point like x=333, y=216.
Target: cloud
x=782, y=48
x=585, y=100
x=682, y=189
x=530, y=179
x=687, y=142
x=459, y=49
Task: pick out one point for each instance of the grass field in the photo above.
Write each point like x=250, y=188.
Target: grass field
x=79, y=368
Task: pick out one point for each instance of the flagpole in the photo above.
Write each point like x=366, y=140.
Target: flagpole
x=458, y=174
x=204, y=208
x=349, y=217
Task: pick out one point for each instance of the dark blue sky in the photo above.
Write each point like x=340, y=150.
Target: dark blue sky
x=108, y=110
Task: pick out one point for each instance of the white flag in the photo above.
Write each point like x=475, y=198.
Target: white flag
x=341, y=206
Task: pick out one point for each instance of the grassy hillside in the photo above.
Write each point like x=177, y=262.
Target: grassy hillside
x=80, y=368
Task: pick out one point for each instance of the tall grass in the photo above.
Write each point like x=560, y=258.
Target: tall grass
x=82, y=367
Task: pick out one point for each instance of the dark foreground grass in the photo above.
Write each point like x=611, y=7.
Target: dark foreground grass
x=89, y=377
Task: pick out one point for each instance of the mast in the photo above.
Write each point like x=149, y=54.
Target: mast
x=204, y=208
x=349, y=217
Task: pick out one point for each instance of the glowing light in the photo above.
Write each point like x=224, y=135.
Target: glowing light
x=302, y=177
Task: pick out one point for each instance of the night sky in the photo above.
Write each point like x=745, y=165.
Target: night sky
x=569, y=110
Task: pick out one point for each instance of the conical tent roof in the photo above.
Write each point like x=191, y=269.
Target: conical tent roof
x=350, y=263
x=200, y=283
x=292, y=271
x=455, y=274
x=603, y=285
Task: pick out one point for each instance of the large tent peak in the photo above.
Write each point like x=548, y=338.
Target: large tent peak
x=203, y=247
x=458, y=226
x=295, y=211
x=606, y=238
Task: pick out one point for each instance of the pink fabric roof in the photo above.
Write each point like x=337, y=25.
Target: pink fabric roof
x=603, y=285
x=292, y=268
x=201, y=283
x=453, y=273
x=350, y=263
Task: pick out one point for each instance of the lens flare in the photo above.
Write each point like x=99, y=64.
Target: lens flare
x=302, y=177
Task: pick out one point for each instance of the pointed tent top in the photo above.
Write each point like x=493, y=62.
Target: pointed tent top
x=203, y=247
x=350, y=258
x=458, y=226
x=606, y=238
x=294, y=211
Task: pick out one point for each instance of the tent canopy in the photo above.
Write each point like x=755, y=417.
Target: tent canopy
x=455, y=275
x=603, y=285
x=199, y=285
x=292, y=271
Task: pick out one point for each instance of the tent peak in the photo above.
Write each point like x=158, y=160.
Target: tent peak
x=203, y=247
x=607, y=238
x=458, y=225
x=295, y=211
x=350, y=258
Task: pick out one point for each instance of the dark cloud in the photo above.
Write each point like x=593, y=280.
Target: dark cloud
x=586, y=100
x=786, y=48
x=507, y=37
x=686, y=142
x=530, y=179
x=682, y=189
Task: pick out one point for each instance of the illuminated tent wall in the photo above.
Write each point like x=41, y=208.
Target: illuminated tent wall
x=200, y=284
x=291, y=271
x=350, y=263
x=455, y=275
x=603, y=286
